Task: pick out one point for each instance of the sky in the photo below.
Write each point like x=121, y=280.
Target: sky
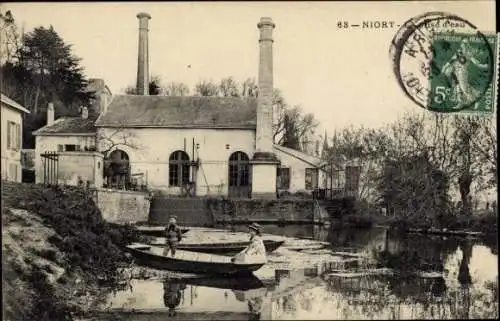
x=344, y=77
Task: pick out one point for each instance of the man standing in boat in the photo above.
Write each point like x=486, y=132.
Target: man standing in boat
x=255, y=251
x=173, y=236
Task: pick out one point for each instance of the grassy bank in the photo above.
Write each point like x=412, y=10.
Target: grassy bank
x=58, y=252
x=486, y=223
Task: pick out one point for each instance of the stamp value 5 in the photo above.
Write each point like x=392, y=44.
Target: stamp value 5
x=444, y=64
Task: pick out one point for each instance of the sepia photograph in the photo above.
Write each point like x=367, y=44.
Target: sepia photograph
x=249, y=160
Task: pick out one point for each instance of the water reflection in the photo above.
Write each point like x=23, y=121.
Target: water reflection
x=397, y=277
x=418, y=277
x=248, y=290
x=172, y=295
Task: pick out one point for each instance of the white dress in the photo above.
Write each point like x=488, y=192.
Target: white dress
x=255, y=252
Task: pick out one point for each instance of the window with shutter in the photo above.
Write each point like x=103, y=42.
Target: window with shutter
x=283, y=178
x=18, y=137
x=9, y=135
x=13, y=136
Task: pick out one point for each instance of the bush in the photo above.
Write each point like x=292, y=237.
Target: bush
x=46, y=305
x=89, y=242
x=49, y=254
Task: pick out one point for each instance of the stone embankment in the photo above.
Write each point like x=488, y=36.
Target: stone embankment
x=58, y=252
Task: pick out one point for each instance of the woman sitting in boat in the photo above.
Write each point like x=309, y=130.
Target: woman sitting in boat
x=255, y=251
x=173, y=236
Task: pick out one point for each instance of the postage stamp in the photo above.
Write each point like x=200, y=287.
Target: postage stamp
x=444, y=64
x=461, y=76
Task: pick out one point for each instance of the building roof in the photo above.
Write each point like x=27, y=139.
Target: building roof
x=6, y=100
x=309, y=159
x=69, y=126
x=180, y=112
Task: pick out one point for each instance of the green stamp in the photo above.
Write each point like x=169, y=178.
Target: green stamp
x=463, y=73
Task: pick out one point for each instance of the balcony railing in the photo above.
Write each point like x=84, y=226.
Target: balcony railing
x=332, y=193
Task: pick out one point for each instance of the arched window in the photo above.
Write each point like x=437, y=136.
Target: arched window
x=117, y=169
x=239, y=175
x=178, y=168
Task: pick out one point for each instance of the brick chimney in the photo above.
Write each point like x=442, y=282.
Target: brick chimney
x=264, y=161
x=264, y=134
x=50, y=114
x=142, y=87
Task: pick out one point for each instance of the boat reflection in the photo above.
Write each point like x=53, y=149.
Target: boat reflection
x=248, y=289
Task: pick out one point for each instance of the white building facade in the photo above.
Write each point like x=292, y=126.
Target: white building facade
x=12, y=138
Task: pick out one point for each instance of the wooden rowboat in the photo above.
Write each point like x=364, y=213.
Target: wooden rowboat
x=221, y=248
x=189, y=262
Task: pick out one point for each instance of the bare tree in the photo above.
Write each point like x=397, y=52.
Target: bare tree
x=10, y=39
x=206, y=88
x=476, y=159
x=363, y=147
x=176, y=89
x=117, y=171
x=279, y=112
x=228, y=87
x=111, y=139
x=484, y=145
x=249, y=88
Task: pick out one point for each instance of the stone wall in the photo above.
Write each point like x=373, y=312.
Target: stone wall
x=122, y=206
x=263, y=211
x=209, y=211
x=189, y=211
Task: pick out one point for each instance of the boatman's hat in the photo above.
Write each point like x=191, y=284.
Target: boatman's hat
x=255, y=226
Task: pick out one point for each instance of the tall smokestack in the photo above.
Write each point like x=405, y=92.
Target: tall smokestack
x=264, y=161
x=264, y=135
x=143, y=56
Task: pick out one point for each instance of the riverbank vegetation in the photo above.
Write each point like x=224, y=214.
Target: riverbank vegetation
x=412, y=170
x=57, y=251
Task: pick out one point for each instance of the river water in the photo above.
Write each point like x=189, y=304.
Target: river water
x=325, y=274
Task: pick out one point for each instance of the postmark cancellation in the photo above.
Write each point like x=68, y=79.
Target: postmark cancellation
x=444, y=64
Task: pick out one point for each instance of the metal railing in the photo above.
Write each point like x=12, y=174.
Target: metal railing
x=331, y=193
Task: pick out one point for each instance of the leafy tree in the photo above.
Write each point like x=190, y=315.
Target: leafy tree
x=38, y=67
x=55, y=72
x=154, y=87
x=415, y=190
